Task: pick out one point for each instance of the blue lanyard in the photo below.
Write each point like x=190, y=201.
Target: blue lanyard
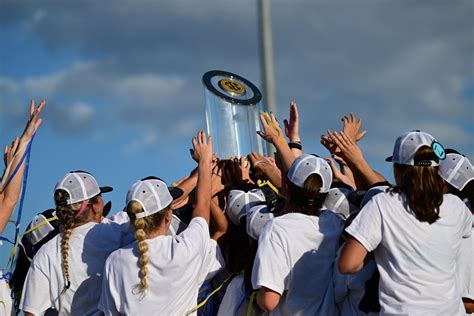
x=25, y=158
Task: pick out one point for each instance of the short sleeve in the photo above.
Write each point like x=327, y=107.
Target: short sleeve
x=213, y=260
x=467, y=227
x=464, y=268
x=195, y=237
x=271, y=268
x=35, y=298
x=367, y=226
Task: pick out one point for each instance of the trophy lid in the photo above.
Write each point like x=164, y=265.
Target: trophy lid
x=231, y=87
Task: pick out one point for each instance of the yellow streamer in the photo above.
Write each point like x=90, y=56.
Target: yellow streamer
x=195, y=308
x=15, y=247
x=250, y=307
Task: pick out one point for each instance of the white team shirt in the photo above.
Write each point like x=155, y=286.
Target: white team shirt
x=6, y=304
x=89, y=246
x=295, y=258
x=416, y=260
x=177, y=267
x=465, y=268
x=236, y=300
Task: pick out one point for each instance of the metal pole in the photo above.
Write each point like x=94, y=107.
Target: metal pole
x=266, y=60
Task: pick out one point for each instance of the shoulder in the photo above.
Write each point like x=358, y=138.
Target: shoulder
x=49, y=249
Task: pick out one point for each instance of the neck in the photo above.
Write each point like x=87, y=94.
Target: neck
x=160, y=231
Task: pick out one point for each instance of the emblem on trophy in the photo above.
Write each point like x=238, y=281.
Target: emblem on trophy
x=232, y=114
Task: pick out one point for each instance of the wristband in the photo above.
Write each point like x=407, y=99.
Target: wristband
x=295, y=145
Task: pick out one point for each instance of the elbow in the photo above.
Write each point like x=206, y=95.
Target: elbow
x=267, y=300
x=347, y=268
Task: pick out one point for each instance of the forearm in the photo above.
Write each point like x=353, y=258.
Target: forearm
x=188, y=184
x=219, y=220
x=364, y=174
x=203, y=191
x=11, y=193
x=286, y=155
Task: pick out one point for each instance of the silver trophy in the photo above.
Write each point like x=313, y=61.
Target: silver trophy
x=232, y=114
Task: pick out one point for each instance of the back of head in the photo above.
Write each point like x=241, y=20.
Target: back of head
x=310, y=179
x=457, y=171
x=422, y=185
x=148, y=203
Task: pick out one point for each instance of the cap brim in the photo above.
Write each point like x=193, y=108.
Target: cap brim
x=175, y=192
x=106, y=189
x=390, y=159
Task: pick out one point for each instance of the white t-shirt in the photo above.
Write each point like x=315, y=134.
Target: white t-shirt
x=295, y=258
x=89, y=246
x=177, y=267
x=6, y=304
x=465, y=268
x=236, y=299
x=350, y=289
x=416, y=260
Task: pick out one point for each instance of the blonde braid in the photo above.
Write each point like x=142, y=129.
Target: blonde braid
x=143, y=227
x=140, y=235
x=66, y=215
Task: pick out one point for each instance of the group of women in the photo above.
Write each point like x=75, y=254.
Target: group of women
x=294, y=234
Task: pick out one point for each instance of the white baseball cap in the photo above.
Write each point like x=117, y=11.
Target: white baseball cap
x=153, y=195
x=456, y=170
x=240, y=200
x=47, y=225
x=81, y=186
x=257, y=217
x=338, y=202
x=306, y=165
x=408, y=144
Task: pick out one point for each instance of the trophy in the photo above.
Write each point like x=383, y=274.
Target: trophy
x=232, y=114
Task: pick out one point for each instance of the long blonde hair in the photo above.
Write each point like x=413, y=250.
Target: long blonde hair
x=143, y=227
x=67, y=218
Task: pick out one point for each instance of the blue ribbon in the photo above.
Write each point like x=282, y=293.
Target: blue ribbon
x=26, y=156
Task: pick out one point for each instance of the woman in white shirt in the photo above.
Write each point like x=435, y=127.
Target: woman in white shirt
x=160, y=274
x=65, y=273
x=414, y=231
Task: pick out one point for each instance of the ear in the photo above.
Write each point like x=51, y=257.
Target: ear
x=168, y=217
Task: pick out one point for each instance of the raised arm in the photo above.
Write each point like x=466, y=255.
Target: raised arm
x=292, y=130
x=203, y=155
x=352, y=154
x=10, y=194
x=273, y=134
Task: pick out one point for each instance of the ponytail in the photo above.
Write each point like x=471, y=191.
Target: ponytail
x=422, y=186
x=307, y=200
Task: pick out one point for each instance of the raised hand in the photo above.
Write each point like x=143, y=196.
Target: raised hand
x=338, y=175
x=202, y=148
x=272, y=132
x=330, y=145
x=9, y=152
x=350, y=151
x=292, y=127
x=34, y=121
x=352, y=126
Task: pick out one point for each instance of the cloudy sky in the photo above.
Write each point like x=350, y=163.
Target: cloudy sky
x=123, y=78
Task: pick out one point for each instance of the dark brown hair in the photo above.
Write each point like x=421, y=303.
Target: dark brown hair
x=422, y=186
x=308, y=199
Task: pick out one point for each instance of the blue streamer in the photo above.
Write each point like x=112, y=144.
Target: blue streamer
x=26, y=156
x=26, y=153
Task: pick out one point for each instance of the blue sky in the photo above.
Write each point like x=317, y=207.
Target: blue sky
x=123, y=78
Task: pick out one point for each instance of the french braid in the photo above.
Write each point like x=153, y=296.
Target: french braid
x=143, y=227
